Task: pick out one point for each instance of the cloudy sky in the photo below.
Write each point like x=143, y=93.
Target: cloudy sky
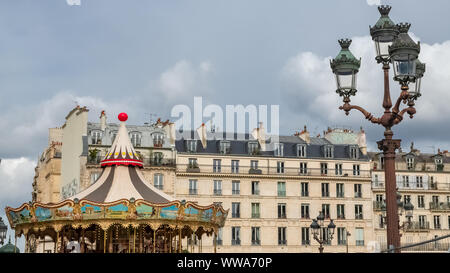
x=144, y=57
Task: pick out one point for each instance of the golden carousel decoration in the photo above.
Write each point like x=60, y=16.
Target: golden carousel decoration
x=120, y=213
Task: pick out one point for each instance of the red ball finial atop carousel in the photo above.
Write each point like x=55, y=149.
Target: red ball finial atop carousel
x=123, y=116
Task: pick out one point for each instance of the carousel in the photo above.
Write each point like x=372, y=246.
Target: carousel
x=120, y=213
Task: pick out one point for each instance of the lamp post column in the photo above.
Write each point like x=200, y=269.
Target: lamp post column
x=388, y=146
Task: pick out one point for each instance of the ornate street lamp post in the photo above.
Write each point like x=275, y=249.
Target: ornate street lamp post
x=317, y=228
x=393, y=45
x=3, y=229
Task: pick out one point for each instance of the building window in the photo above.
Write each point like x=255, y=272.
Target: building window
x=280, y=167
x=437, y=222
x=255, y=188
x=422, y=221
x=158, y=181
x=358, y=212
x=193, y=186
x=303, y=168
x=405, y=181
x=354, y=152
x=341, y=236
x=96, y=137
x=158, y=139
x=340, y=211
x=301, y=150
x=420, y=201
x=282, y=236
x=340, y=190
x=304, y=209
x=325, y=190
x=356, y=171
x=236, y=187
x=253, y=148
x=235, y=236
x=217, y=187
x=278, y=149
x=217, y=165
x=338, y=169
x=193, y=163
x=281, y=187
x=235, y=210
x=304, y=189
x=358, y=190
x=282, y=211
x=94, y=177
x=225, y=147
x=326, y=211
x=323, y=168
x=410, y=163
x=219, y=237
x=435, y=200
x=406, y=199
x=328, y=151
x=191, y=146
x=359, y=236
x=419, y=181
x=326, y=237
x=235, y=166
x=439, y=164
x=255, y=210
x=256, y=241
x=254, y=164
x=135, y=139
x=305, y=236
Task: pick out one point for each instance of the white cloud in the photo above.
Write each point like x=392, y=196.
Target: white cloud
x=373, y=2
x=309, y=88
x=183, y=80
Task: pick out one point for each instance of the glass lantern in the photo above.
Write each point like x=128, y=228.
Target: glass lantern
x=3, y=229
x=415, y=86
x=383, y=34
x=345, y=67
x=404, y=53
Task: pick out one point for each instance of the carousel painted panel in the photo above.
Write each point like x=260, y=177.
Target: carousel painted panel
x=63, y=213
x=117, y=211
x=145, y=211
x=207, y=215
x=169, y=212
x=20, y=217
x=92, y=212
x=43, y=214
x=191, y=213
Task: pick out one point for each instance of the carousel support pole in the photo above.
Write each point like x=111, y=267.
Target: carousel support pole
x=63, y=249
x=104, y=240
x=56, y=241
x=43, y=245
x=15, y=243
x=154, y=241
x=129, y=239
x=110, y=244
x=82, y=241
x=170, y=243
x=215, y=242
x=180, y=246
x=134, y=241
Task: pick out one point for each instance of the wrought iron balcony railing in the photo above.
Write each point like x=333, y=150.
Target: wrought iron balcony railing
x=442, y=206
x=416, y=226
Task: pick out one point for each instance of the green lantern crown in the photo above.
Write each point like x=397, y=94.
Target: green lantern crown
x=384, y=26
x=345, y=59
x=404, y=44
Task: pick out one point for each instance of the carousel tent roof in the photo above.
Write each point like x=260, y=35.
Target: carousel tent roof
x=121, y=178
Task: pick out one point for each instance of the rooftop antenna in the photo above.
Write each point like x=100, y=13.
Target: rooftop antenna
x=152, y=117
x=434, y=148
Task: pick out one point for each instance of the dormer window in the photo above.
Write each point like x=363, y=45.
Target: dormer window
x=96, y=137
x=439, y=163
x=158, y=139
x=278, y=149
x=225, y=147
x=135, y=139
x=253, y=148
x=191, y=146
x=301, y=150
x=328, y=151
x=410, y=163
x=354, y=152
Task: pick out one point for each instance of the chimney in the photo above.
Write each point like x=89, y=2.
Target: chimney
x=361, y=140
x=170, y=132
x=260, y=134
x=202, y=134
x=103, y=121
x=305, y=135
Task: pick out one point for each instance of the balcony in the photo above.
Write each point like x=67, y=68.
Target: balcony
x=236, y=242
x=219, y=242
x=438, y=207
x=193, y=191
x=236, y=215
x=218, y=192
x=281, y=193
x=193, y=168
x=359, y=242
x=378, y=205
x=341, y=217
x=417, y=226
x=256, y=242
x=255, y=192
x=287, y=171
x=236, y=192
x=305, y=216
x=339, y=194
x=159, y=162
x=358, y=194
x=94, y=160
x=306, y=242
x=256, y=215
x=282, y=242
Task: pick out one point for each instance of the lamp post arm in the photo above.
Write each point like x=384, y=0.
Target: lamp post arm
x=347, y=107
